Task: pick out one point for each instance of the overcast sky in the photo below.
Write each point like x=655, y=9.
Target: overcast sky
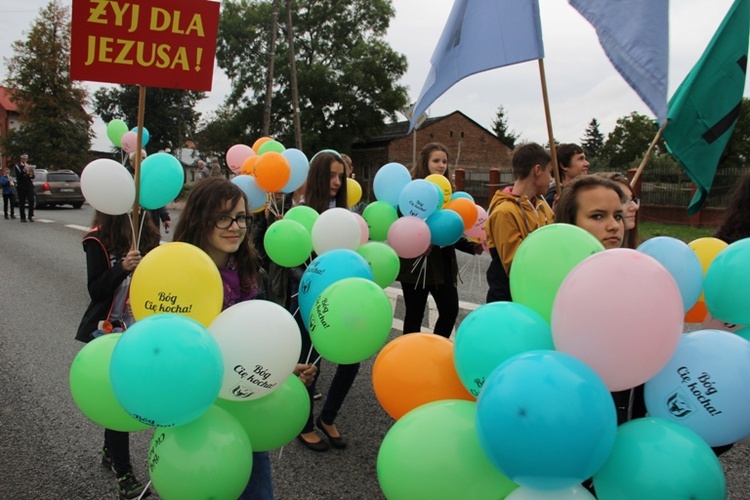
x=582, y=84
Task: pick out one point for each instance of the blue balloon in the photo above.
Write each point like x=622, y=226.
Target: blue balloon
x=167, y=370
x=462, y=194
x=546, y=420
x=145, y=136
x=681, y=262
x=704, y=386
x=725, y=285
x=446, y=227
x=389, y=181
x=441, y=196
x=494, y=333
x=162, y=178
x=256, y=197
x=418, y=199
x=299, y=166
x=326, y=269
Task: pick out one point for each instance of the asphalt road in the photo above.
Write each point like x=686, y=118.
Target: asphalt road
x=49, y=450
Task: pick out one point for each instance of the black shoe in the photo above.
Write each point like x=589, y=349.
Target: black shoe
x=31, y=219
x=12, y=216
x=129, y=487
x=23, y=220
x=319, y=446
x=6, y=217
x=337, y=442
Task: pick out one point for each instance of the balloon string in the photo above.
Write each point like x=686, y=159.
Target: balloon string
x=416, y=263
x=144, y=490
x=317, y=360
x=309, y=353
x=140, y=231
x=281, y=450
x=135, y=243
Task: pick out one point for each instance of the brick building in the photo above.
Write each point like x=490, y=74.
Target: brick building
x=9, y=118
x=471, y=147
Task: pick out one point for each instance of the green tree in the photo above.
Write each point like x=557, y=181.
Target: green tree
x=737, y=152
x=55, y=128
x=500, y=127
x=346, y=72
x=169, y=114
x=592, y=140
x=629, y=140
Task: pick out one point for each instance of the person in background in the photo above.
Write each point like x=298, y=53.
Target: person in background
x=7, y=186
x=630, y=208
x=110, y=262
x=736, y=225
x=513, y=216
x=440, y=274
x=201, y=171
x=216, y=219
x=572, y=162
x=24, y=188
x=216, y=167
x=325, y=188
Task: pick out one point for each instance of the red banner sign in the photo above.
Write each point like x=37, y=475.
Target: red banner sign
x=153, y=43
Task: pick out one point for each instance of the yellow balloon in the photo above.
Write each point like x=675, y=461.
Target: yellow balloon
x=353, y=192
x=707, y=249
x=177, y=278
x=443, y=183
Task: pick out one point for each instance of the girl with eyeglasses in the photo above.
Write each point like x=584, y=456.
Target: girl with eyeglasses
x=216, y=219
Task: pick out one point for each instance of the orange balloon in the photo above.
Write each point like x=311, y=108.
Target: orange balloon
x=413, y=370
x=257, y=144
x=466, y=209
x=697, y=314
x=248, y=166
x=272, y=171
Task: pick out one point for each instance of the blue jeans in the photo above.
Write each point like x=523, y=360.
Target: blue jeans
x=260, y=486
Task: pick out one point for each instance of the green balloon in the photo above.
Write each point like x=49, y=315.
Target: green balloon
x=434, y=452
x=210, y=457
x=271, y=145
x=542, y=262
x=115, y=130
x=275, y=419
x=383, y=261
x=654, y=458
x=287, y=243
x=350, y=320
x=92, y=390
x=379, y=216
x=304, y=215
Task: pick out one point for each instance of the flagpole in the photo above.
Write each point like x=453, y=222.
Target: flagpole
x=648, y=154
x=552, y=149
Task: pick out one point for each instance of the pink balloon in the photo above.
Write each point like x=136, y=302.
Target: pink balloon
x=236, y=156
x=363, y=227
x=619, y=311
x=477, y=230
x=409, y=236
x=128, y=141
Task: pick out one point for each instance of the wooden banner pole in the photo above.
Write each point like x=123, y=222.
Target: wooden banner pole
x=648, y=155
x=552, y=148
x=137, y=165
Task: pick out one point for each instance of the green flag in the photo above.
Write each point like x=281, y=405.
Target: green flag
x=704, y=109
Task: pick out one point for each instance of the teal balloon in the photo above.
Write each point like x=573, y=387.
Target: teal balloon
x=546, y=420
x=441, y=196
x=446, y=227
x=433, y=452
x=326, y=269
x=145, y=135
x=275, y=419
x=681, y=262
x=271, y=145
x=653, y=459
x=379, y=216
x=162, y=178
x=287, y=243
x=332, y=151
x=461, y=194
x=383, y=261
x=727, y=276
x=91, y=388
x=304, y=215
x=167, y=370
x=492, y=334
x=256, y=197
x=389, y=181
x=744, y=333
x=210, y=457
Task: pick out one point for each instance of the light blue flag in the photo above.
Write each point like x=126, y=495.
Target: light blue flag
x=635, y=36
x=481, y=35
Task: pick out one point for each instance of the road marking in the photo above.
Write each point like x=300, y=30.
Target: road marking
x=80, y=228
x=45, y=221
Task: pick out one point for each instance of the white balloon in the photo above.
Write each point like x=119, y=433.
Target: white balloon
x=336, y=228
x=260, y=344
x=108, y=186
x=574, y=493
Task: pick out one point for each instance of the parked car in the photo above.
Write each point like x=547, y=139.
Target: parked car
x=57, y=187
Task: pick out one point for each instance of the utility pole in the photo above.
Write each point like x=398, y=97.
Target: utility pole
x=293, y=81
x=271, y=57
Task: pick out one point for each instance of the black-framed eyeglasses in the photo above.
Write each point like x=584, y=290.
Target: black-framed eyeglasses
x=225, y=221
x=636, y=201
